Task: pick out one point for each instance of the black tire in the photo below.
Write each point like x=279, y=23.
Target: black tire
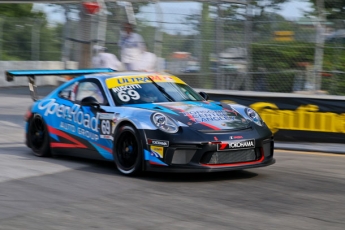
x=38, y=137
x=128, y=150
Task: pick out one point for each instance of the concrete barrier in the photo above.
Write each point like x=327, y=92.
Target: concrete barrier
x=32, y=65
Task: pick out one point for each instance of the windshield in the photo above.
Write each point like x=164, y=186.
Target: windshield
x=153, y=92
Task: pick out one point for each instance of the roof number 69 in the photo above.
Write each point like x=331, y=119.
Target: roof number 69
x=130, y=94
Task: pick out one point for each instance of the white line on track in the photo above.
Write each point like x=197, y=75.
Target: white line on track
x=11, y=145
x=313, y=153
x=11, y=124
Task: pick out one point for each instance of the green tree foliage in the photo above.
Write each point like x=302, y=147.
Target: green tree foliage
x=19, y=11
x=206, y=36
x=282, y=55
x=233, y=17
x=261, y=7
x=335, y=9
x=51, y=42
x=281, y=60
x=26, y=34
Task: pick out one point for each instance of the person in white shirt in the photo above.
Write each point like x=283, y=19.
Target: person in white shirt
x=146, y=63
x=132, y=46
x=102, y=59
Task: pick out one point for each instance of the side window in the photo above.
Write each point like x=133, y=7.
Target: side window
x=68, y=93
x=87, y=89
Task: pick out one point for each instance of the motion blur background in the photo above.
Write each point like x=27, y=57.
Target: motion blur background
x=250, y=45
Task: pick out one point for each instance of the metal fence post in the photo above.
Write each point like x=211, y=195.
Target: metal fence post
x=84, y=34
x=319, y=45
x=102, y=24
x=219, y=76
x=66, y=42
x=1, y=37
x=248, y=42
x=35, y=40
x=158, y=33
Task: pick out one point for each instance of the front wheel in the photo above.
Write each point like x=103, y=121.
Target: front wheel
x=128, y=150
x=38, y=136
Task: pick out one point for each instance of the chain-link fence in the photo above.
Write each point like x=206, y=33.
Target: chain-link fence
x=29, y=39
x=204, y=46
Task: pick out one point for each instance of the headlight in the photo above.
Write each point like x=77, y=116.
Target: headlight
x=254, y=116
x=164, y=123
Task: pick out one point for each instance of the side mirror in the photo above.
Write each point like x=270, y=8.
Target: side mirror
x=204, y=95
x=90, y=101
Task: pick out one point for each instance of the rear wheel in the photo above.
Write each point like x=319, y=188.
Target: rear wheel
x=128, y=151
x=38, y=136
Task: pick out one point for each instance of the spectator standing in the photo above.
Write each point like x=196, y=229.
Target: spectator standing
x=102, y=59
x=132, y=46
x=147, y=62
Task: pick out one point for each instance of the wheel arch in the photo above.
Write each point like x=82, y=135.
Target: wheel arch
x=123, y=122
x=142, y=136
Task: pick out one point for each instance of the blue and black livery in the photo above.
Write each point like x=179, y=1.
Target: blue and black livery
x=143, y=122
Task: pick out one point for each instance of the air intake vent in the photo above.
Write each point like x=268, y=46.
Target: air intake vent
x=182, y=156
x=228, y=157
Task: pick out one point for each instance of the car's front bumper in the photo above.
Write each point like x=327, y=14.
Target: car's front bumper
x=202, y=168
x=191, y=156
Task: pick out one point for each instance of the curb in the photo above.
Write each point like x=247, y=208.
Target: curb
x=311, y=147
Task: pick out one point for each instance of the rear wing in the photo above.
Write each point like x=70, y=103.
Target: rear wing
x=31, y=74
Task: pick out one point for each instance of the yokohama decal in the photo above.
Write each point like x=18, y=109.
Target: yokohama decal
x=234, y=145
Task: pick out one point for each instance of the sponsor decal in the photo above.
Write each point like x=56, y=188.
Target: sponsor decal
x=159, y=142
x=236, y=137
x=67, y=127
x=140, y=79
x=157, y=151
x=82, y=132
x=304, y=118
x=244, y=144
x=74, y=120
x=126, y=87
x=152, y=159
x=209, y=115
x=72, y=114
x=88, y=134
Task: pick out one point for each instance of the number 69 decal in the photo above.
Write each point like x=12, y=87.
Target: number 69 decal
x=106, y=127
x=128, y=95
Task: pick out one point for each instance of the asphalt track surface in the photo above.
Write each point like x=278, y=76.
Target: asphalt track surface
x=303, y=190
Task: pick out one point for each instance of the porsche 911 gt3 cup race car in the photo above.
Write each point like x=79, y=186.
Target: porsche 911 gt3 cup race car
x=143, y=122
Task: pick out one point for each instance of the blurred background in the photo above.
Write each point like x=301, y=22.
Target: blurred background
x=252, y=45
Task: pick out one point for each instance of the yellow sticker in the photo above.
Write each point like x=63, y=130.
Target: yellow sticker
x=140, y=79
x=158, y=151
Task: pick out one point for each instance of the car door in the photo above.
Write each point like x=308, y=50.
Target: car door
x=94, y=125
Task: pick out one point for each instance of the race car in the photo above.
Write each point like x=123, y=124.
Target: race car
x=143, y=122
